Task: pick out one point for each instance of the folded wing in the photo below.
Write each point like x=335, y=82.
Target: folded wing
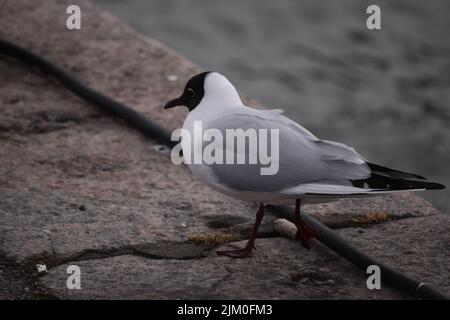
x=302, y=157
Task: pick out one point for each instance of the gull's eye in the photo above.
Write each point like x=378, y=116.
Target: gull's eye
x=190, y=92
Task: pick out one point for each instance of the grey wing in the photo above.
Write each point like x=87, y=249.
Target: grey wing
x=302, y=158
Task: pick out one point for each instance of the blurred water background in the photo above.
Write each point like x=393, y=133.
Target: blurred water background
x=384, y=92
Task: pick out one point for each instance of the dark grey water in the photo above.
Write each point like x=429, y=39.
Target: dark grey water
x=384, y=92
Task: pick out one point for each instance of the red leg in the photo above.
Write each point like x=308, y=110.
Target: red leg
x=304, y=233
x=244, y=252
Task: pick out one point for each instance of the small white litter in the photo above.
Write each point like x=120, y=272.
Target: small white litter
x=172, y=77
x=286, y=228
x=41, y=268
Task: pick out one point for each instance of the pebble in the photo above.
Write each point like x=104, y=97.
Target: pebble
x=41, y=268
x=172, y=77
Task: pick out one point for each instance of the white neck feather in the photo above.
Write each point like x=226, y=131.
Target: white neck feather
x=219, y=93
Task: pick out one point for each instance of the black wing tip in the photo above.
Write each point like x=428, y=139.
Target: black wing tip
x=436, y=186
x=391, y=179
x=379, y=182
x=376, y=168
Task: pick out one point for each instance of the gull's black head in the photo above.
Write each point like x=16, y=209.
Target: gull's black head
x=192, y=94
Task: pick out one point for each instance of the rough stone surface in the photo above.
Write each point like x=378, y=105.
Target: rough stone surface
x=79, y=186
x=279, y=269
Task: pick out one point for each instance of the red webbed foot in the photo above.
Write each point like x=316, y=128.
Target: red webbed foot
x=304, y=234
x=236, y=253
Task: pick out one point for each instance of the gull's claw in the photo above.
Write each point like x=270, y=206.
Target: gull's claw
x=237, y=253
x=304, y=234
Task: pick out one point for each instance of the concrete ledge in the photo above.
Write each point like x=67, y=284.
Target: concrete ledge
x=80, y=187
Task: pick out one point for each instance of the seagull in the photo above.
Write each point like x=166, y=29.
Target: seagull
x=310, y=170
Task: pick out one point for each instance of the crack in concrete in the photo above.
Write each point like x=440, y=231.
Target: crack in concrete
x=155, y=251
x=281, y=212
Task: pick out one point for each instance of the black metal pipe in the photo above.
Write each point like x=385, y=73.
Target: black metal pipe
x=361, y=260
x=132, y=117
x=138, y=121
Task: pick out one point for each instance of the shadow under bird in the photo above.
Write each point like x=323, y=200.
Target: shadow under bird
x=310, y=170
